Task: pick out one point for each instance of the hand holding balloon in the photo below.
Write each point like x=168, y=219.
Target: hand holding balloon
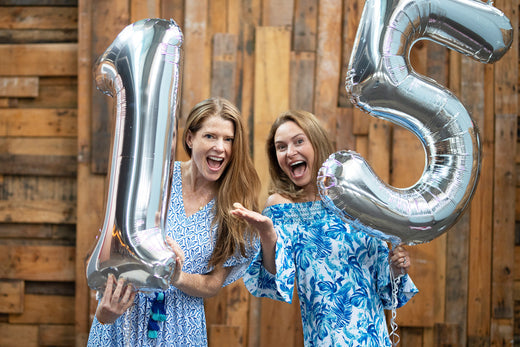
x=115, y=301
x=179, y=259
x=399, y=259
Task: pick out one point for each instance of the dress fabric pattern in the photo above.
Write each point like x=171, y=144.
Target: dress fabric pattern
x=342, y=275
x=185, y=323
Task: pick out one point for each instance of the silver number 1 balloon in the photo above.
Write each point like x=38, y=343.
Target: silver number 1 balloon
x=141, y=71
x=382, y=82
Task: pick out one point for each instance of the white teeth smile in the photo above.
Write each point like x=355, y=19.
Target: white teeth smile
x=297, y=163
x=216, y=158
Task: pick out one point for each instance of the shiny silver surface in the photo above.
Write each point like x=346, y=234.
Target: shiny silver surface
x=141, y=70
x=382, y=82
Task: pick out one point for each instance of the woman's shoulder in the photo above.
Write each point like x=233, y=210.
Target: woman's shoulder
x=277, y=199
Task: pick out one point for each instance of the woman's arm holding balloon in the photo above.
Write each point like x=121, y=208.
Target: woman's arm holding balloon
x=204, y=286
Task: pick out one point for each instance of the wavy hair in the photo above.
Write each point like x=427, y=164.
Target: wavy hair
x=280, y=182
x=239, y=181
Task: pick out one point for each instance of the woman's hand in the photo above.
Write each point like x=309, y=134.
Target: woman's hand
x=399, y=261
x=179, y=260
x=264, y=226
x=115, y=301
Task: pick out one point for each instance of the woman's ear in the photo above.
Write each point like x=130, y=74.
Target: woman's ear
x=189, y=139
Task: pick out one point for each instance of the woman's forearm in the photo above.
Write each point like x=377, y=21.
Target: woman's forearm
x=203, y=286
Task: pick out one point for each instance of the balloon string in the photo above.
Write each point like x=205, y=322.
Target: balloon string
x=394, y=336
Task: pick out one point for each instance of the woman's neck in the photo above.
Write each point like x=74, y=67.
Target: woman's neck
x=310, y=193
x=193, y=181
x=197, y=191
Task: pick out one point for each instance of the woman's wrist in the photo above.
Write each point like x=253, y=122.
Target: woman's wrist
x=103, y=321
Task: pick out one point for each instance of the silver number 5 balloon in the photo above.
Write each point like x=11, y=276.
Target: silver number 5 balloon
x=382, y=82
x=141, y=70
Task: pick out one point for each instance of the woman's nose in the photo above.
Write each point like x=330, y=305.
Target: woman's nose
x=219, y=144
x=291, y=150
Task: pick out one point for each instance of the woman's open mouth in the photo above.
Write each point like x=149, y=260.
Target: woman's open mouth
x=298, y=168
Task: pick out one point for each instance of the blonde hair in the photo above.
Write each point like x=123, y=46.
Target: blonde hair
x=280, y=182
x=239, y=181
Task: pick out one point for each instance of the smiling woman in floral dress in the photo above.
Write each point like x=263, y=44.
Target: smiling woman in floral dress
x=342, y=274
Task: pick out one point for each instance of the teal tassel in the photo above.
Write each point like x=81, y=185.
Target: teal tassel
x=157, y=314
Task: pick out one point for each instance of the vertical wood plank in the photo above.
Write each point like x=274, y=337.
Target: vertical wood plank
x=197, y=53
x=302, y=80
x=305, y=25
x=506, y=113
x=271, y=97
x=362, y=145
x=81, y=303
x=224, y=335
x=457, y=246
x=250, y=13
x=328, y=63
x=197, y=63
x=351, y=17
x=224, y=66
x=142, y=9
x=108, y=19
x=272, y=70
x=237, y=305
x=345, y=138
x=173, y=9
x=379, y=147
x=90, y=196
x=477, y=98
x=218, y=18
x=277, y=13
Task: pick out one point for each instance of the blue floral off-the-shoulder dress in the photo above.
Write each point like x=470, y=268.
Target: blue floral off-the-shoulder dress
x=343, y=276
x=185, y=323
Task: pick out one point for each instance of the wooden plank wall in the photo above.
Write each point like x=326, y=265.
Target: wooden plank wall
x=266, y=56
x=38, y=168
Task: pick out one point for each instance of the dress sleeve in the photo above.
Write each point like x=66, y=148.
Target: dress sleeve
x=279, y=286
x=239, y=263
x=406, y=289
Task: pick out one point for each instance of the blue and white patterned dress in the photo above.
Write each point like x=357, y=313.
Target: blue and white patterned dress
x=185, y=323
x=343, y=276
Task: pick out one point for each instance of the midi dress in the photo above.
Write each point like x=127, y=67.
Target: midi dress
x=342, y=276
x=185, y=323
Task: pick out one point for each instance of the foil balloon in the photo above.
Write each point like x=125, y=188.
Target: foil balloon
x=382, y=82
x=141, y=71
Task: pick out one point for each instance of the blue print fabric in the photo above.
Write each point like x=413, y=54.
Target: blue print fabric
x=185, y=323
x=342, y=276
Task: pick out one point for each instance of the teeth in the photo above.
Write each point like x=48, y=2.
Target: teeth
x=297, y=163
x=216, y=158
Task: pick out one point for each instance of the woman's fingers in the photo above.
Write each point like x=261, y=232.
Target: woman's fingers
x=116, y=295
x=107, y=294
x=175, y=248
